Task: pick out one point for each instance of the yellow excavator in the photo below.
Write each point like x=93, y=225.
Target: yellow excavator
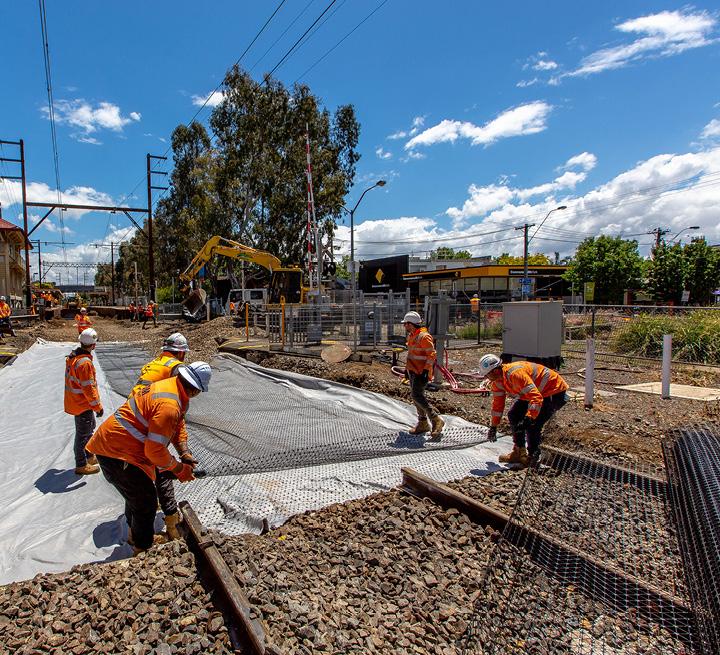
x=285, y=281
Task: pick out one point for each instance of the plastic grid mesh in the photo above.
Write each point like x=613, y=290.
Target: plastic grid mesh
x=692, y=456
x=588, y=563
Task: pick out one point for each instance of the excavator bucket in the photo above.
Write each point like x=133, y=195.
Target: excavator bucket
x=195, y=301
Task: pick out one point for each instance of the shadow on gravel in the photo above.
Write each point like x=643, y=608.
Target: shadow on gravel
x=55, y=481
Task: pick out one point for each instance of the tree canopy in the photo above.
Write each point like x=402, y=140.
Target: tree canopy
x=445, y=252
x=534, y=259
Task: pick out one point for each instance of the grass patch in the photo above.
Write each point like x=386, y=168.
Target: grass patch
x=696, y=336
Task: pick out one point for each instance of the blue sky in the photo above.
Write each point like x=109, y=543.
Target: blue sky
x=480, y=116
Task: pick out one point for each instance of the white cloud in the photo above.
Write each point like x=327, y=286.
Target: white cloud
x=382, y=154
x=524, y=83
x=11, y=194
x=524, y=119
x=50, y=226
x=585, y=160
x=417, y=123
x=82, y=115
x=213, y=99
x=547, y=65
x=660, y=35
x=711, y=130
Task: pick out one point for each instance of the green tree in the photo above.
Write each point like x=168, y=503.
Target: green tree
x=614, y=264
x=342, y=268
x=445, y=252
x=702, y=271
x=666, y=273
x=534, y=259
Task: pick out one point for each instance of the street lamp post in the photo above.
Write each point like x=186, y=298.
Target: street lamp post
x=353, y=280
x=525, y=228
x=685, y=229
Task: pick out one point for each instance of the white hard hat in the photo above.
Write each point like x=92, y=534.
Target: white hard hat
x=412, y=317
x=88, y=337
x=2, y=298
x=197, y=374
x=488, y=363
x=475, y=295
x=83, y=310
x=176, y=343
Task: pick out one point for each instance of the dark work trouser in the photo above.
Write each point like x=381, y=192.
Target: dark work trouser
x=140, y=496
x=5, y=323
x=147, y=318
x=166, y=491
x=418, y=383
x=517, y=412
x=84, y=428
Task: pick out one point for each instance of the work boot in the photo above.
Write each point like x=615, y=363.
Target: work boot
x=437, y=427
x=171, y=523
x=88, y=469
x=516, y=456
x=92, y=460
x=422, y=426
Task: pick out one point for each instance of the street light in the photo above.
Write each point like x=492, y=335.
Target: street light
x=685, y=229
x=526, y=227
x=352, y=254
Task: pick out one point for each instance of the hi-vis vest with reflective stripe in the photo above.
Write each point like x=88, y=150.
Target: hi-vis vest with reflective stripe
x=83, y=322
x=158, y=369
x=141, y=430
x=528, y=381
x=421, y=351
x=5, y=310
x=81, y=392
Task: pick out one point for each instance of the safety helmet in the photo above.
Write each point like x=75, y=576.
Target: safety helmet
x=412, y=317
x=475, y=295
x=488, y=363
x=2, y=298
x=176, y=343
x=88, y=337
x=83, y=310
x=197, y=374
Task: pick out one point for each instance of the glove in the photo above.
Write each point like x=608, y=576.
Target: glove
x=183, y=472
x=187, y=458
x=100, y=413
x=492, y=433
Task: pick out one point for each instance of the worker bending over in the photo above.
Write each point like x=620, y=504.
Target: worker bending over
x=540, y=392
x=132, y=443
x=175, y=349
x=419, y=367
x=82, y=399
x=82, y=320
x=5, y=313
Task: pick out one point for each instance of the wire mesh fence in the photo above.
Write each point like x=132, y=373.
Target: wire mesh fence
x=693, y=462
x=587, y=564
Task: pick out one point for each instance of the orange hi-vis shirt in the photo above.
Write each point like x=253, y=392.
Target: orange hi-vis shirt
x=160, y=368
x=141, y=430
x=81, y=392
x=83, y=322
x=149, y=310
x=421, y=351
x=527, y=381
x=5, y=310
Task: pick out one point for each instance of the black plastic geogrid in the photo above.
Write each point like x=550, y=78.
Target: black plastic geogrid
x=588, y=563
x=692, y=456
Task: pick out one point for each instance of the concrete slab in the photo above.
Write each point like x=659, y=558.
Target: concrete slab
x=676, y=390
x=579, y=392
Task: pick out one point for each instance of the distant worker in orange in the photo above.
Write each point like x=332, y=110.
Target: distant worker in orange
x=148, y=314
x=82, y=399
x=540, y=391
x=232, y=308
x=474, y=303
x=82, y=320
x=420, y=366
x=167, y=364
x=133, y=443
x=5, y=313
x=132, y=310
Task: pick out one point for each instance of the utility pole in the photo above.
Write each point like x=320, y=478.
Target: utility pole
x=659, y=233
x=525, y=281
x=151, y=247
x=112, y=272
x=136, y=286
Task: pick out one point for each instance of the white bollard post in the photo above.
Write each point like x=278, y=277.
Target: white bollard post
x=589, y=373
x=667, y=354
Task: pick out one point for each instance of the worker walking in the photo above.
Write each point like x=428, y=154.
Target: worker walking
x=82, y=320
x=133, y=311
x=5, y=314
x=174, y=351
x=82, y=399
x=540, y=391
x=133, y=443
x=419, y=367
x=149, y=313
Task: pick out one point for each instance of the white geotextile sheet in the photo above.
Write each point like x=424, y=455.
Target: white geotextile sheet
x=53, y=519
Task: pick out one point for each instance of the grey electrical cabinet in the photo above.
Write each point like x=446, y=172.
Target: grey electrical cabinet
x=532, y=329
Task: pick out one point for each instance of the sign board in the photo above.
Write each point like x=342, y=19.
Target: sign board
x=589, y=291
x=685, y=295
x=526, y=286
